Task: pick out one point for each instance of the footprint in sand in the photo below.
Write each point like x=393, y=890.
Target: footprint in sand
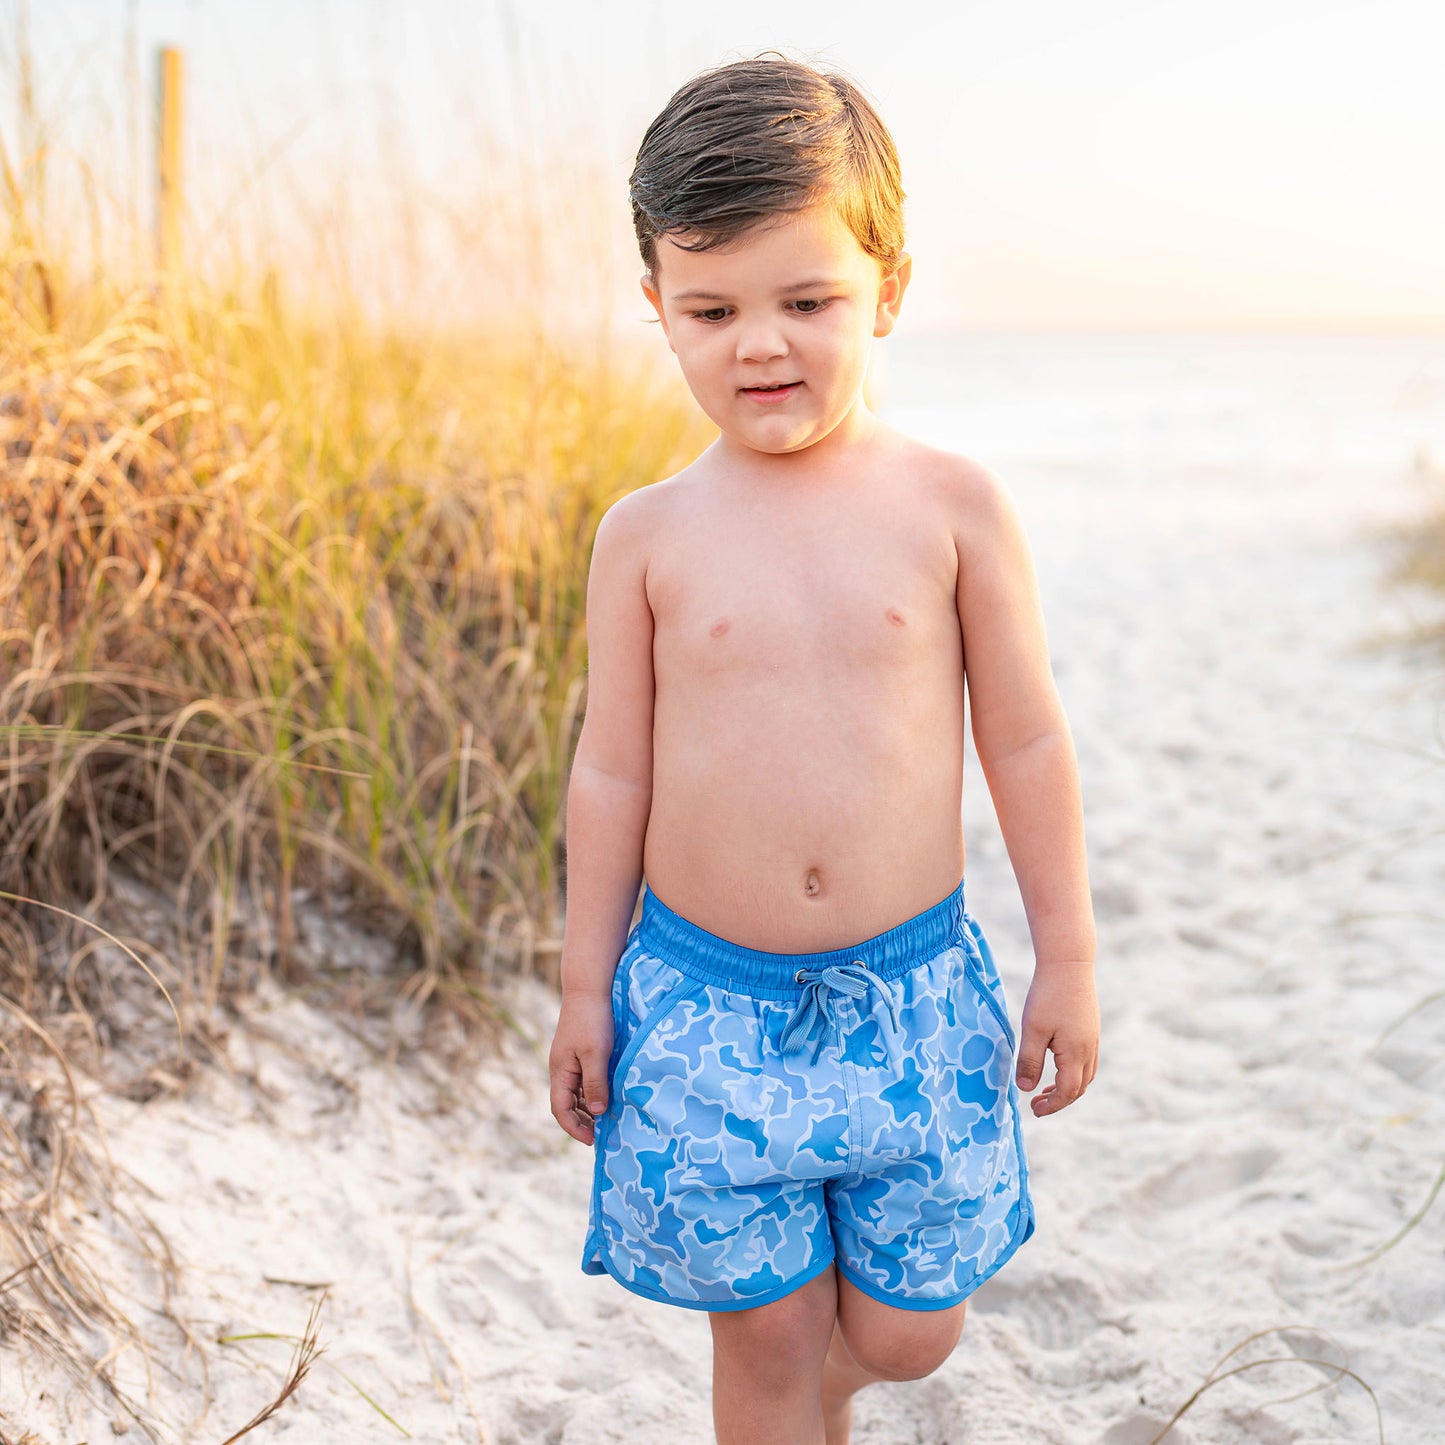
x=1199, y=1179
x=1058, y=1314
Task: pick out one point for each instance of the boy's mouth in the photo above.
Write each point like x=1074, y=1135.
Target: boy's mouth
x=772, y=392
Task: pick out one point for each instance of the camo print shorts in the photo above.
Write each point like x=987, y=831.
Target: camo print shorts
x=772, y=1114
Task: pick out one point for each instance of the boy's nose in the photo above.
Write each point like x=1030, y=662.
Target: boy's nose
x=761, y=340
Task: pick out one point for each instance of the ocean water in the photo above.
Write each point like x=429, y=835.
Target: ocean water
x=1248, y=430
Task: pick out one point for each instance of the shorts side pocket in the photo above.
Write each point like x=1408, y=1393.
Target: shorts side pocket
x=621, y=984
x=975, y=976
x=982, y=973
x=674, y=995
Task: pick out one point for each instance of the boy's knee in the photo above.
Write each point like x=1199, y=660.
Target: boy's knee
x=908, y=1350
x=779, y=1338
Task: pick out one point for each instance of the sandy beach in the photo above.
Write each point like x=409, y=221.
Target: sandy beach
x=1263, y=774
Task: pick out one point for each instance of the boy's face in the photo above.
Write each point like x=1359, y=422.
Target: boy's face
x=773, y=332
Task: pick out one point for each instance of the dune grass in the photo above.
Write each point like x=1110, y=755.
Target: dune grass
x=1217, y=1375
x=290, y=610
x=307, y=1350
x=290, y=606
x=288, y=602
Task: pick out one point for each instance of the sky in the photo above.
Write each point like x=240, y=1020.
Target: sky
x=1117, y=164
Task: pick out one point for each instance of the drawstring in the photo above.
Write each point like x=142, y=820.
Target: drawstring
x=853, y=979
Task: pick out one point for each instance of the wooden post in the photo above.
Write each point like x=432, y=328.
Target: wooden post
x=134, y=142
x=168, y=156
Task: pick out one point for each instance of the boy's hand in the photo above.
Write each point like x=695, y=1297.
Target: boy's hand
x=581, y=1049
x=1061, y=1014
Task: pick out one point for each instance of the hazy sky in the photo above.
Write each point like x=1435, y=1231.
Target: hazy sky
x=1105, y=163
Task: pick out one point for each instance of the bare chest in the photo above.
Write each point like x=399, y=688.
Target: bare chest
x=843, y=598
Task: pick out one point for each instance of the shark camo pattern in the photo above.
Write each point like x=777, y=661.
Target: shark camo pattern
x=751, y=1141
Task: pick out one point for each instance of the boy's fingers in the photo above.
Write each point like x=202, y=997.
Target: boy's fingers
x=1069, y=1083
x=566, y=1101
x=1070, y=1080
x=578, y=1126
x=594, y=1082
x=1031, y=1060
x=574, y=1118
x=562, y=1100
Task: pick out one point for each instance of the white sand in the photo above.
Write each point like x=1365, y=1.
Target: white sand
x=1269, y=867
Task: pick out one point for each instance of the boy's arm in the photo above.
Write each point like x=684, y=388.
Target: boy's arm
x=609, y=797
x=1027, y=755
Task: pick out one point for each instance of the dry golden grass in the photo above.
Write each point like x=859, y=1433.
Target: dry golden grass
x=307, y=1351
x=1277, y=1364
x=287, y=601
x=283, y=603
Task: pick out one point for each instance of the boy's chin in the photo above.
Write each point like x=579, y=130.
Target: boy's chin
x=776, y=442
x=775, y=449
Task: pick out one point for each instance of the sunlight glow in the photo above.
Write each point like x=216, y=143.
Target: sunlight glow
x=1125, y=164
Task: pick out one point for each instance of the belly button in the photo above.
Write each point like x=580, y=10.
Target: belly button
x=812, y=884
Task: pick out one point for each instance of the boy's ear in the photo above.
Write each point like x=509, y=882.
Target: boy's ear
x=890, y=295
x=649, y=289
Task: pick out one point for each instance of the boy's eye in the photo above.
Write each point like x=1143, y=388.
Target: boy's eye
x=807, y=306
x=713, y=313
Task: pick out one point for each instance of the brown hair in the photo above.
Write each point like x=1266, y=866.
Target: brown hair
x=758, y=139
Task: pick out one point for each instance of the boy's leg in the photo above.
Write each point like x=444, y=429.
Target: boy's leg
x=766, y=1367
x=874, y=1341
x=788, y=1371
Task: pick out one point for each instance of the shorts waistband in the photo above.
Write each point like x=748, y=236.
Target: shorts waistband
x=753, y=971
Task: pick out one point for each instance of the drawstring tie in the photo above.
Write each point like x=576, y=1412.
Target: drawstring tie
x=853, y=979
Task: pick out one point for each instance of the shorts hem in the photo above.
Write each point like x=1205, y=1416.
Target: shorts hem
x=1022, y=1231
x=803, y=1277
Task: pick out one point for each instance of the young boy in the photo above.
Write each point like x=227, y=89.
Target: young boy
x=797, y=1071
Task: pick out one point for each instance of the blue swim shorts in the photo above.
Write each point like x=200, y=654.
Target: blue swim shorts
x=772, y=1114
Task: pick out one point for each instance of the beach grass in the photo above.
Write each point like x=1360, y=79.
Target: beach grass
x=296, y=602
x=291, y=606
x=307, y=1349
x=1333, y=1370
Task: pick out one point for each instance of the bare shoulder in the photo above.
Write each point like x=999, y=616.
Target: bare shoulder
x=636, y=520
x=968, y=490
x=971, y=501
